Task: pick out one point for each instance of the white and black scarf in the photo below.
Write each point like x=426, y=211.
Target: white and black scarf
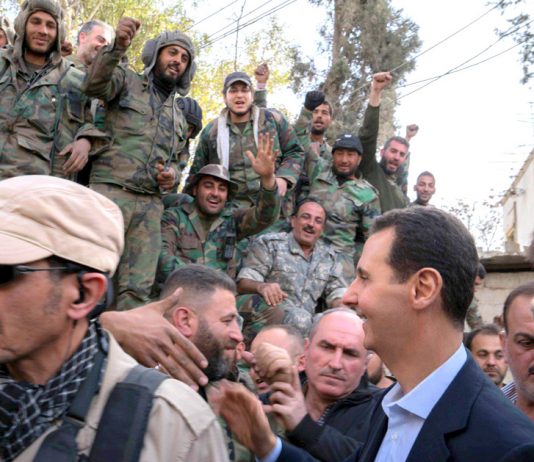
x=27, y=411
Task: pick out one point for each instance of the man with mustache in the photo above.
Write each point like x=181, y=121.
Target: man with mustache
x=201, y=229
x=518, y=343
x=149, y=131
x=485, y=346
x=351, y=202
x=286, y=275
x=226, y=140
x=330, y=414
x=206, y=314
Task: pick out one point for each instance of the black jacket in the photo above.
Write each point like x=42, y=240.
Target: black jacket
x=345, y=425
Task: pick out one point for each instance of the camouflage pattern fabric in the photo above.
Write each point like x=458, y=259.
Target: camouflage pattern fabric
x=352, y=206
x=40, y=114
x=185, y=240
x=277, y=257
x=288, y=163
x=473, y=316
x=146, y=132
x=137, y=267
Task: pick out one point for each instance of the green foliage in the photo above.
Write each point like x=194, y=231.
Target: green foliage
x=364, y=37
x=266, y=46
x=155, y=16
x=522, y=31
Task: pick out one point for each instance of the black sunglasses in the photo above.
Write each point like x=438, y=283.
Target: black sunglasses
x=8, y=273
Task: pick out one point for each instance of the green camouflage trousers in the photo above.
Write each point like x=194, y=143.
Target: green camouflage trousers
x=257, y=314
x=142, y=242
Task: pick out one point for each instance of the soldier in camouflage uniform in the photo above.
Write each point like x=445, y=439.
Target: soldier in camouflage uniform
x=314, y=119
x=226, y=139
x=6, y=32
x=206, y=314
x=351, y=202
x=149, y=131
x=286, y=274
x=43, y=113
x=202, y=230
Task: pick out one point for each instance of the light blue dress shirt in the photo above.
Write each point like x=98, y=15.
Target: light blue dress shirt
x=407, y=412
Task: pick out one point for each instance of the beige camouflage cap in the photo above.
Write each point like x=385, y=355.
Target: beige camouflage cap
x=41, y=216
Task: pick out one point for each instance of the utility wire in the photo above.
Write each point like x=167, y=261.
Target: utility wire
x=250, y=22
x=361, y=87
x=211, y=15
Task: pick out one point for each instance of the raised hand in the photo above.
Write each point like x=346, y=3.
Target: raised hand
x=125, y=32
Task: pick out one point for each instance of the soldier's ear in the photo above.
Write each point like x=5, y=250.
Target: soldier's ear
x=185, y=321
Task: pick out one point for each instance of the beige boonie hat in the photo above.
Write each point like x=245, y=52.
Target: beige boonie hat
x=41, y=216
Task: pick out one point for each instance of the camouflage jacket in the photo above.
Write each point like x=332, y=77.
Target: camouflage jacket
x=145, y=131
x=391, y=194
x=288, y=163
x=351, y=207
x=277, y=257
x=184, y=239
x=40, y=115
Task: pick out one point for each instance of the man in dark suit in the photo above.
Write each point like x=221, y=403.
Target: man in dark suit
x=414, y=284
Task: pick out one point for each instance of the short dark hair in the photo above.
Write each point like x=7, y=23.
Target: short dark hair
x=426, y=173
x=481, y=271
x=485, y=329
x=88, y=27
x=198, y=283
x=523, y=290
x=398, y=139
x=429, y=237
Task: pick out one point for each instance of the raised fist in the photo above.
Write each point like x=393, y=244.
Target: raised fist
x=126, y=30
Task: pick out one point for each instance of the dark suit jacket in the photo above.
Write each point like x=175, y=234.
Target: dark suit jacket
x=472, y=421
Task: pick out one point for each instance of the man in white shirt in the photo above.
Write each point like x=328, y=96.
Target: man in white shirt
x=414, y=284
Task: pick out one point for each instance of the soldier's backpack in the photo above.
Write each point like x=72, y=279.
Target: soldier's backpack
x=123, y=424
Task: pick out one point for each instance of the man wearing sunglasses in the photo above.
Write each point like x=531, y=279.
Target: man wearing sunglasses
x=59, y=245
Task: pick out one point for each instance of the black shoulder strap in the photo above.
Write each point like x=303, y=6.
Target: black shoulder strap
x=60, y=445
x=123, y=424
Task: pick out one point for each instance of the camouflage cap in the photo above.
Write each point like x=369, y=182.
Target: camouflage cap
x=236, y=77
x=215, y=170
x=42, y=216
x=348, y=141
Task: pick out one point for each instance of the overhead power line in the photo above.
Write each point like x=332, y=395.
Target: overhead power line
x=210, y=16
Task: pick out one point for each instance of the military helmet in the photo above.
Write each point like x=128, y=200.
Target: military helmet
x=217, y=171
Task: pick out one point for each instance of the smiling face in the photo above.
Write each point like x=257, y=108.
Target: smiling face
x=345, y=162
x=308, y=224
x=335, y=358
x=379, y=298
x=211, y=195
x=171, y=64
x=425, y=188
x=92, y=41
x=218, y=333
x=40, y=36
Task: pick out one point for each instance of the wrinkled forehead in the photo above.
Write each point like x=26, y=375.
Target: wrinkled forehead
x=311, y=208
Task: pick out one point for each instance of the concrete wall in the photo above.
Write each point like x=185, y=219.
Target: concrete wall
x=496, y=288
